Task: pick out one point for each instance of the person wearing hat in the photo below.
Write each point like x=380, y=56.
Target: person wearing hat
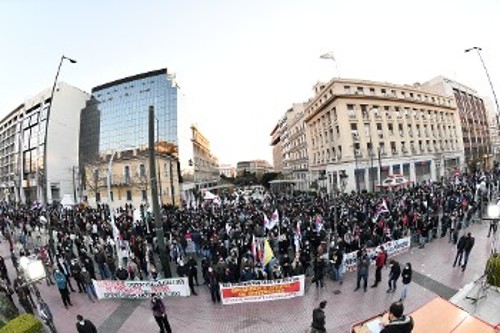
x=319, y=319
x=84, y=325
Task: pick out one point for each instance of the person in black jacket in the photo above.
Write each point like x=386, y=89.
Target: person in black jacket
x=319, y=319
x=75, y=270
x=394, y=274
x=84, y=325
x=398, y=322
x=460, y=250
x=469, y=244
x=406, y=276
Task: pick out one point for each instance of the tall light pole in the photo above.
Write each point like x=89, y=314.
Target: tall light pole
x=478, y=50
x=160, y=235
x=497, y=113
x=111, y=210
x=45, y=174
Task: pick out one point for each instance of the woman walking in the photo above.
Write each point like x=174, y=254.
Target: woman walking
x=406, y=276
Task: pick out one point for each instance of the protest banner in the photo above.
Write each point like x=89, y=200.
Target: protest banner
x=262, y=291
x=112, y=289
x=392, y=248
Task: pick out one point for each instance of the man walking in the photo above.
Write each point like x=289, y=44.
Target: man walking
x=84, y=325
x=460, y=250
x=319, y=319
x=159, y=312
x=469, y=244
x=380, y=262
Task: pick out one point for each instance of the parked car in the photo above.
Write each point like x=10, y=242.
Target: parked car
x=395, y=182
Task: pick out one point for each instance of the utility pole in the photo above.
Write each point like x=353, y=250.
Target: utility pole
x=371, y=161
x=379, y=168
x=160, y=235
x=74, y=184
x=171, y=180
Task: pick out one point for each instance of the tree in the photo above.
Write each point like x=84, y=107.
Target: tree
x=269, y=176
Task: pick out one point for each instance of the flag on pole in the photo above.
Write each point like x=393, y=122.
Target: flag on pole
x=268, y=252
x=318, y=223
x=271, y=223
x=382, y=208
x=328, y=55
x=254, y=248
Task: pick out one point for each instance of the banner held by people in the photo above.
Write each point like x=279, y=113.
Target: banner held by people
x=112, y=289
x=262, y=291
x=393, y=248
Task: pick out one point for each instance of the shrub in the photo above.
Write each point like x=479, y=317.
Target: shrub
x=493, y=270
x=25, y=323
x=7, y=310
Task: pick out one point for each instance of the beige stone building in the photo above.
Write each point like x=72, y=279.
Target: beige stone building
x=288, y=140
x=473, y=117
x=257, y=167
x=204, y=163
x=130, y=181
x=360, y=132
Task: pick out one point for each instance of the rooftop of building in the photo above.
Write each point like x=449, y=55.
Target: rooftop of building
x=130, y=79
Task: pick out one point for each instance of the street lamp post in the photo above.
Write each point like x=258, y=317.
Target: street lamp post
x=45, y=174
x=497, y=113
x=478, y=50
x=111, y=212
x=33, y=271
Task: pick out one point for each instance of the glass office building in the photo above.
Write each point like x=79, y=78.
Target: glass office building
x=116, y=116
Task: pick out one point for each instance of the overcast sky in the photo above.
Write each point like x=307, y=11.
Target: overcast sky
x=241, y=64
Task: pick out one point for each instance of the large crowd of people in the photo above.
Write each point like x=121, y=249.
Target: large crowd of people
x=215, y=240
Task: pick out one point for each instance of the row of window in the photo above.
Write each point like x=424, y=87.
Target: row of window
x=393, y=93
x=384, y=93
x=333, y=155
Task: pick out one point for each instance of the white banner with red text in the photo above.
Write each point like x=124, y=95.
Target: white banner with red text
x=262, y=291
x=112, y=289
x=393, y=248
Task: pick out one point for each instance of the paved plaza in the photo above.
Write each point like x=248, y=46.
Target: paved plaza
x=433, y=276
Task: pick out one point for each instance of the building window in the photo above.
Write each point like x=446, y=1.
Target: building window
x=347, y=89
x=112, y=196
x=98, y=197
x=126, y=174
x=350, y=111
x=144, y=195
x=142, y=170
x=129, y=195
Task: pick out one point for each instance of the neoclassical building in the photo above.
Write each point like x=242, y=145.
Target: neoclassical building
x=356, y=133
x=114, y=122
